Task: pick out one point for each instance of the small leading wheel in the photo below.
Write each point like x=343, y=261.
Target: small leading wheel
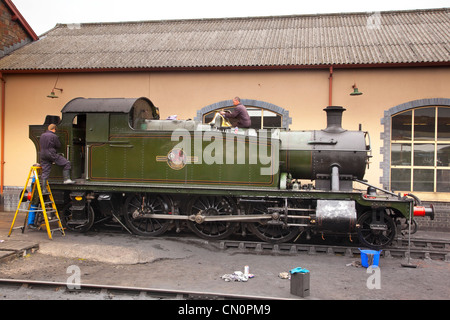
x=204, y=206
x=273, y=231
x=137, y=211
x=78, y=225
x=376, y=229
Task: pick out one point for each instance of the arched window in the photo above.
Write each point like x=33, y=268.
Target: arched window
x=264, y=115
x=419, y=148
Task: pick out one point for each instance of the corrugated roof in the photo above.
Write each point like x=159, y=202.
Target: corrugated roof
x=397, y=37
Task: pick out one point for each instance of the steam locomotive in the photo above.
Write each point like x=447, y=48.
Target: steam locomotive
x=152, y=175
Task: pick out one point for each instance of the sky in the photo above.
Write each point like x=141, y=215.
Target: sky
x=43, y=15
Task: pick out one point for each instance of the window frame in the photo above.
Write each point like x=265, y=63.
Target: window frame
x=413, y=143
x=286, y=120
x=250, y=108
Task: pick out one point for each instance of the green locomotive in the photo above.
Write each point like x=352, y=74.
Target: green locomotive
x=154, y=175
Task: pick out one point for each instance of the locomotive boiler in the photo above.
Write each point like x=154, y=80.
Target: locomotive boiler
x=334, y=157
x=152, y=175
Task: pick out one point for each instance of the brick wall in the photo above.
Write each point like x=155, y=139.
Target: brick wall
x=10, y=199
x=12, y=35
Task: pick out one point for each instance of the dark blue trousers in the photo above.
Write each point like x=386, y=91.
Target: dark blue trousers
x=47, y=165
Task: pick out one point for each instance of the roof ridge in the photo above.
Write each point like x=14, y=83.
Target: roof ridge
x=392, y=12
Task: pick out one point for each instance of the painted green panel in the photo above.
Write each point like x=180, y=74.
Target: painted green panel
x=297, y=162
x=296, y=153
x=97, y=127
x=154, y=157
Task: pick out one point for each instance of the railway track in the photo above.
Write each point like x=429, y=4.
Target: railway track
x=420, y=248
x=24, y=289
x=29, y=289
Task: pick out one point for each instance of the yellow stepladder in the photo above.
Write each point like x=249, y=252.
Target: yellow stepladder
x=35, y=170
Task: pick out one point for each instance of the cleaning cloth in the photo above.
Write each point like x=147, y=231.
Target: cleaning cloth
x=299, y=270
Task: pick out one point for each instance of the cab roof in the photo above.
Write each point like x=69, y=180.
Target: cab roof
x=114, y=105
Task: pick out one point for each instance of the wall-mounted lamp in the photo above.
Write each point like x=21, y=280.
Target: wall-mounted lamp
x=52, y=94
x=355, y=91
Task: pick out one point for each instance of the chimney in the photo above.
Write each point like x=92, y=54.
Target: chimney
x=334, y=119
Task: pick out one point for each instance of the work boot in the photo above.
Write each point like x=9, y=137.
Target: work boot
x=66, y=177
x=44, y=187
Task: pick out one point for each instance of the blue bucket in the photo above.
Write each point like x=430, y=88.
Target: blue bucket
x=370, y=258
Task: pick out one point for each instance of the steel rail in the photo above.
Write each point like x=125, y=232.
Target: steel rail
x=420, y=247
x=398, y=250
x=140, y=292
x=424, y=243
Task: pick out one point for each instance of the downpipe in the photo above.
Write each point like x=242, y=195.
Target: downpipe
x=2, y=133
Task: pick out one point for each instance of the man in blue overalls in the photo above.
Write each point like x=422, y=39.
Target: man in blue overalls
x=49, y=142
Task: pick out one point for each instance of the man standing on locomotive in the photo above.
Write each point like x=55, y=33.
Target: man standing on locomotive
x=239, y=113
x=49, y=142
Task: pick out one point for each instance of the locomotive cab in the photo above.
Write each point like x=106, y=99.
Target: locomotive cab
x=86, y=122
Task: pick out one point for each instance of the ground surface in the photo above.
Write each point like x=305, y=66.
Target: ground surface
x=126, y=260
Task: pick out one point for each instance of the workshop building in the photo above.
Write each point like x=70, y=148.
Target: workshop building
x=390, y=70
